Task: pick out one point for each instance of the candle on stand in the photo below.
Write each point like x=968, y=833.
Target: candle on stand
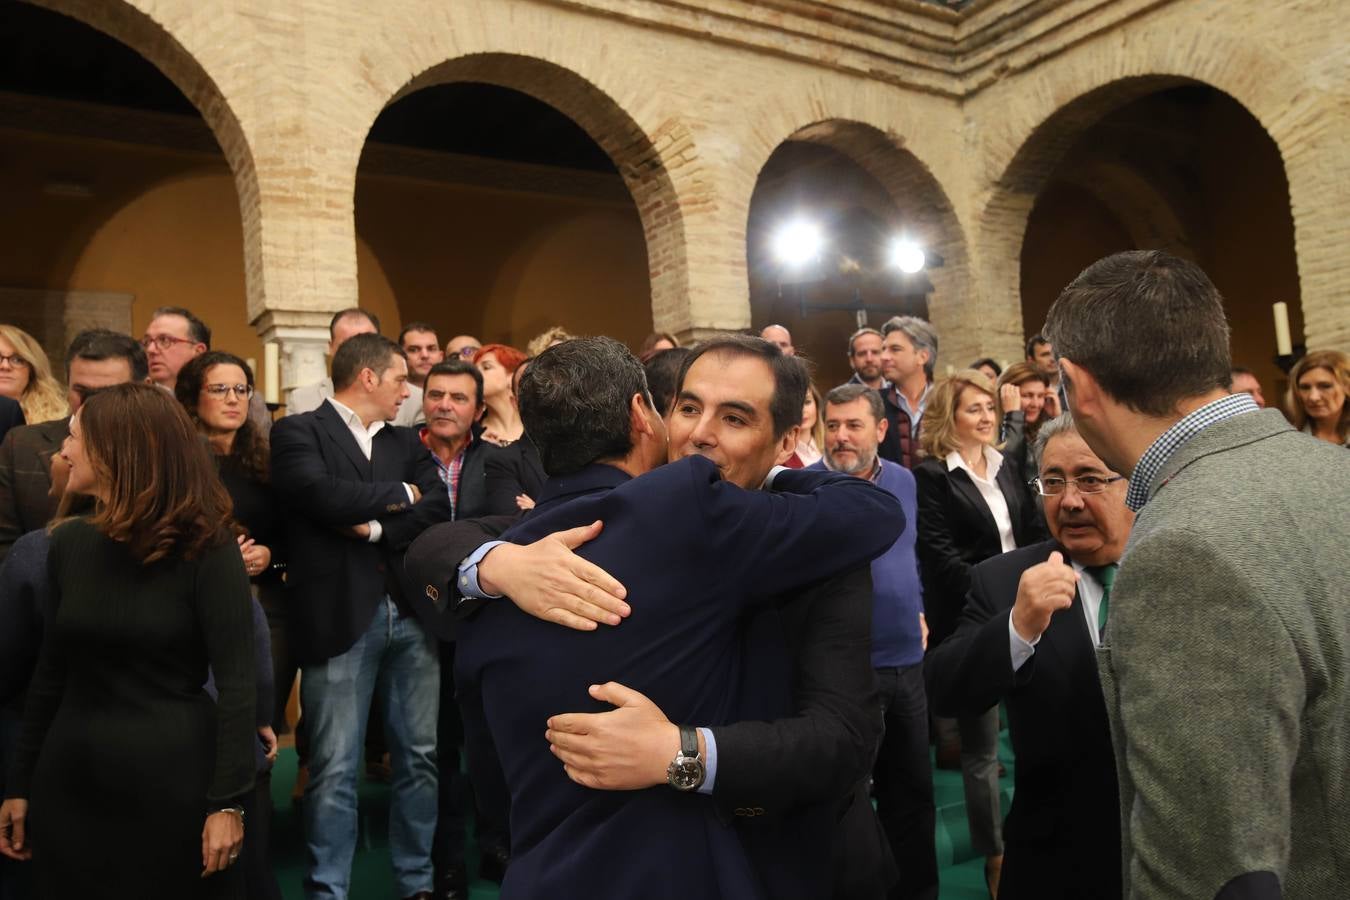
x=1283, y=345
x=272, y=372
x=951, y=370
x=252, y=367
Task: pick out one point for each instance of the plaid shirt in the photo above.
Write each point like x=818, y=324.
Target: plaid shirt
x=450, y=471
x=1161, y=450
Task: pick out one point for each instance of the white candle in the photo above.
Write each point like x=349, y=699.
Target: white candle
x=252, y=367
x=1283, y=345
x=272, y=372
x=951, y=370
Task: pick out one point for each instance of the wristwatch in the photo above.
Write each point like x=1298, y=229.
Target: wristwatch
x=686, y=771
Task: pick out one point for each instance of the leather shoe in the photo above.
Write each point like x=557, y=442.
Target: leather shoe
x=492, y=865
x=453, y=884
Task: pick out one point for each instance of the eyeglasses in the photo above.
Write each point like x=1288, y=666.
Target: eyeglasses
x=15, y=361
x=468, y=352
x=164, y=341
x=220, y=391
x=1086, y=484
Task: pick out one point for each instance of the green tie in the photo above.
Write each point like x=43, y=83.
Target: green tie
x=1106, y=576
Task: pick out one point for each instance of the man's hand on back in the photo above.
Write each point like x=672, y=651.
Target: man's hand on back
x=625, y=749
x=550, y=582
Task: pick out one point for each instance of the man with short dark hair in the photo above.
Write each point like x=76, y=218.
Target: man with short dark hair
x=1041, y=354
x=855, y=424
x=419, y=341
x=1225, y=659
x=737, y=412
x=1244, y=381
x=1027, y=637
x=173, y=337
x=864, y=357
x=356, y=491
x=780, y=337
x=29, y=455
x=908, y=357
x=344, y=325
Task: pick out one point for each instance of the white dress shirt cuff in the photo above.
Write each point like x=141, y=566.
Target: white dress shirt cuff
x=1021, y=650
x=408, y=487
x=710, y=763
x=376, y=532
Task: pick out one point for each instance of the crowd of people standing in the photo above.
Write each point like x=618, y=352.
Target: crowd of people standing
x=512, y=555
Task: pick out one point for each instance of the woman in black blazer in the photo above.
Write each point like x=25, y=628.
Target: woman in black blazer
x=972, y=505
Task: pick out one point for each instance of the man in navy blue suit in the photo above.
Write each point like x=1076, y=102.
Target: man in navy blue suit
x=697, y=553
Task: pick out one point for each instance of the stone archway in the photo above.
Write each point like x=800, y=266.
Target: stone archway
x=1056, y=105
x=927, y=214
x=154, y=41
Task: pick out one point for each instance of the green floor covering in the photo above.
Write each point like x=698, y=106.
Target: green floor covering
x=961, y=873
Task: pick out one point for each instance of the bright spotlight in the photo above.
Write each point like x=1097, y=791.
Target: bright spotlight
x=798, y=243
x=907, y=256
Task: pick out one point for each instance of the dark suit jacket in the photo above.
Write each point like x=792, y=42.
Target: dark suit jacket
x=11, y=415
x=1062, y=834
x=335, y=582
x=25, y=478
x=957, y=530
x=472, y=500
x=512, y=470
x=695, y=554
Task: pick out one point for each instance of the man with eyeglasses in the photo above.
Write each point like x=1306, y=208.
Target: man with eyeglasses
x=1028, y=635
x=463, y=346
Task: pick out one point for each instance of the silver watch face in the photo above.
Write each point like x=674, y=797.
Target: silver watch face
x=685, y=773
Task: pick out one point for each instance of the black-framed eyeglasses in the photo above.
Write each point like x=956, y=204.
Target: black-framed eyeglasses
x=164, y=341
x=220, y=391
x=1053, y=486
x=15, y=361
x=468, y=352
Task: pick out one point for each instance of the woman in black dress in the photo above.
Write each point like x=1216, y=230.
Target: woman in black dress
x=132, y=775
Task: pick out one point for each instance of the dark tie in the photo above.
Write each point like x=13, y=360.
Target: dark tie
x=1106, y=576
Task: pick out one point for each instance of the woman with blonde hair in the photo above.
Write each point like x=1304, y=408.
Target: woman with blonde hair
x=972, y=506
x=1318, y=386
x=26, y=376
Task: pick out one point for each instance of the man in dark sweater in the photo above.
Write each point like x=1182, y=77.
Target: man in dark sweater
x=855, y=424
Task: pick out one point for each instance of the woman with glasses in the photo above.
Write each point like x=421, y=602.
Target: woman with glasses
x=133, y=775
x=972, y=505
x=26, y=376
x=501, y=421
x=1319, y=385
x=215, y=388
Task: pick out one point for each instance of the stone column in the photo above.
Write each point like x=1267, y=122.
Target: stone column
x=303, y=337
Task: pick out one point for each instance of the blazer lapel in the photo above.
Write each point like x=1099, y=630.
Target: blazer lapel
x=342, y=437
x=966, y=487
x=1012, y=494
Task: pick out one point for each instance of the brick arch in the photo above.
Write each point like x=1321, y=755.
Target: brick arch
x=1056, y=105
x=920, y=199
x=154, y=41
x=644, y=157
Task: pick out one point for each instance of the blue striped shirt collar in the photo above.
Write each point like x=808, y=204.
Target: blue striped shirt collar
x=1161, y=450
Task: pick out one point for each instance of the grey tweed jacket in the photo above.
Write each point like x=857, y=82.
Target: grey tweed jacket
x=1226, y=669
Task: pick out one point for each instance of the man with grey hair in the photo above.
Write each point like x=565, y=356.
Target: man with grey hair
x=1225, y=664
x=855, y=423
x=908, y=354
x=1026, y=637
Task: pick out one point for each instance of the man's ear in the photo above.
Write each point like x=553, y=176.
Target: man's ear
x=787, y=445
x=1085, y=394
x=882, y=425
x=638, y=423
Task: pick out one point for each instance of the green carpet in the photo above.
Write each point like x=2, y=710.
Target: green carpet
x=960, y=871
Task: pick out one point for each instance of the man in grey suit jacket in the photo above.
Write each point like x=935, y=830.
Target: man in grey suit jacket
x=1226, y=662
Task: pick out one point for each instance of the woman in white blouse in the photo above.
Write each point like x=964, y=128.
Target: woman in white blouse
x=972, y=506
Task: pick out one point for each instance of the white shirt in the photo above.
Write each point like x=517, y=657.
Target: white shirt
x=365, y=439
x=1089, y=592
x=989, y=490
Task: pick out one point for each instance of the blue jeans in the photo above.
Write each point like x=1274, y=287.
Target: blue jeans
x=397, y=658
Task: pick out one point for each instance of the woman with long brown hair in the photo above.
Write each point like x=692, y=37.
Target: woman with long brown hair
x=1319, y=387
x=133, y=775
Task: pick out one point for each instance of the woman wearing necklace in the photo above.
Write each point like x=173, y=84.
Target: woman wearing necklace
x=971, y=507
x=501, y=421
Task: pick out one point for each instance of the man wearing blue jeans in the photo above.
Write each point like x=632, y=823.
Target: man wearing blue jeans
x=356, y=491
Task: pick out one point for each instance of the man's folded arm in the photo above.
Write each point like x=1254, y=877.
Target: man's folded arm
x=301, y=477
x=972, y=669
x=823, y=751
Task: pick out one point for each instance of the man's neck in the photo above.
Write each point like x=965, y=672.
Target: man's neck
x=1139, y=432
x=417, y=381
x=913, y=386
x=448, y=450
x=874, y=383
x=355, y=403
x=168, y=384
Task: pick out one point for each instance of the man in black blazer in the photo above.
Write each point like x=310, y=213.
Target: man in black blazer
x=796, y=781
x=1031, y=624
x=96, y=358
x=357, y=491
x=672, y=535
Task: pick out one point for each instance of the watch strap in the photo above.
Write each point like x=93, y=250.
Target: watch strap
x=688, y=740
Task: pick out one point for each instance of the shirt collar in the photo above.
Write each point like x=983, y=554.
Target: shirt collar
x=353, y=420
x=1171, y=440
x=903, y=402
x=991, y=456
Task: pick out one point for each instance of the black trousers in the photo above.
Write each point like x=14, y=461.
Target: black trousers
x=903, y=782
